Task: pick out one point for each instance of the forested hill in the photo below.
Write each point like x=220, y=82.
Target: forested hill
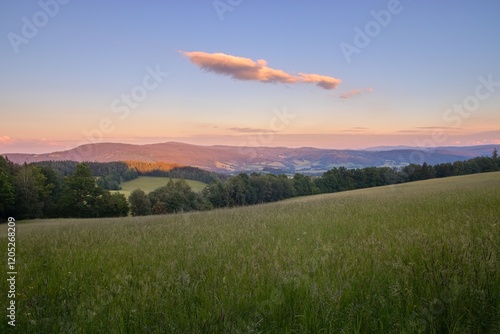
x=31, y=191
x=234, y=159
x=125, y=171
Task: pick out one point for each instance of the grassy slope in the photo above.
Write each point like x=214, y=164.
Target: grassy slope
x=150, y=183
x=415, y=257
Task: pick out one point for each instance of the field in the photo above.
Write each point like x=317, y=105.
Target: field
x=416, y=257
x=150, y=183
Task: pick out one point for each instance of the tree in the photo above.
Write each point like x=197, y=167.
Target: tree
x=238, y=190
x=139, y=203
x=336, y=179
x=282, y=187
x=444, y=169
x=53, y=186
x=216, y=194
x=109, y=182
x=130, y=174
x=28, y=181
x=80, y=195
x=112, y=205
x=458, y=168
x=262, y=187
x=413, y=172
x=7, y=190
x=427, y=172
x=496, y=159
x=176, y=197
x=302, y=185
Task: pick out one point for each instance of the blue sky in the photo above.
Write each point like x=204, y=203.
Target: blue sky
x=58, y=84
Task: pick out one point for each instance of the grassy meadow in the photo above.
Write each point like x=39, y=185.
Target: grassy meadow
x=420, y=257
x=150, y=183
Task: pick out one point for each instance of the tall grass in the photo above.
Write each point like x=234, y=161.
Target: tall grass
x=411, y=258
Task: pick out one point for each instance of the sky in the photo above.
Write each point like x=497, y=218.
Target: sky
x=328, y=74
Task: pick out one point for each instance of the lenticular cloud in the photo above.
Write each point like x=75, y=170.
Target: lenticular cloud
x=241, y=68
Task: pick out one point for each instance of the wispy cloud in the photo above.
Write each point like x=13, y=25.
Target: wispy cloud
x=322, y=81
x=34, y=145
x=355, y=129
x=407, y=131
x=241, y=68
x=429, y=129
x=354, y=92
x=437, y=128
x=6, y=139
x=250, y=130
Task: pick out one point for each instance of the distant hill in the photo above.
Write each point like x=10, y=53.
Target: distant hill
x=220, y=158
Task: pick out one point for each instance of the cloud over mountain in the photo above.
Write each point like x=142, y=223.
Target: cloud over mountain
x=241, y=68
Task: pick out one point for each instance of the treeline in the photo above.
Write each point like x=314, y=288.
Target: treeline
x=186, y=172
x=40, y=191
x=175, y=197
x=172, y=170
x=68, y=167
x=256, y=188
x=149, y=166
x=111, y=174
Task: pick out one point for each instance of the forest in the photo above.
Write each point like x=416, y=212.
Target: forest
x=82, y=190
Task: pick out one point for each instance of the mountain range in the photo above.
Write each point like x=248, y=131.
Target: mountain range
x=233, y=159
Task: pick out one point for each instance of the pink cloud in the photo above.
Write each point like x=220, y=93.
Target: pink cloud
x=321, y=80
x=349, y=94
x=241, y=68
x=354, y=92
x=6, y=139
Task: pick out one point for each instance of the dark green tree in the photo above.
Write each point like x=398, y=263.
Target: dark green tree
x=139, y=203
x=53, y=189
x=112, y=205
x=458, y=168
x=261, y=187
x=427, y=171
x=7, y=190
x=80, y=195
x=238, y=190
x=336, y=179
x=496, y=159
x=109, y=182
x=216, y=194
x=282, y=187
x=304, y=185
x=130, y=174
x=176, y=197
x=31, y=190
x=413, y=172
x=444, y=170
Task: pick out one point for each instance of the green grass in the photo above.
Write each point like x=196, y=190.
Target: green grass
x=150, y=183
x=411, y=258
